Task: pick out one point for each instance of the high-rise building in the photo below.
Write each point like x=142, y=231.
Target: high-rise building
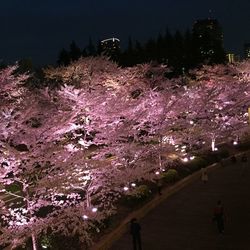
x=247, y=50
x=208, y=41
x=111, y=47
x=230, y=57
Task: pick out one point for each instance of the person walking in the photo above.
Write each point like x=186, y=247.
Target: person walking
x=204, y=175
x=135, y=230
x=233, y=159
x=219, y=216
x=244, y=158
x=159, y=186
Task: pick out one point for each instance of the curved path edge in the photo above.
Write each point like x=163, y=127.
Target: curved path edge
x=108, y=240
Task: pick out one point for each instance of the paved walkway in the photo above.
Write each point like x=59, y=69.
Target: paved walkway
x=184, y=220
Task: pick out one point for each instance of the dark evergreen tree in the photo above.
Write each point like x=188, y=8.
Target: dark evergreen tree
x=75, y=51
x=2, y=64
x=189, y=60
x=130, y=49
x=90, y=49
x=63, y=58
x=160, y=57
x=177, y=57
x=181, y=51
x=139, y=53
x=167, y=46
x=99, y=48
x=128, y=56
x=130, y=45
x=25, y=65
x=84, y=53
x=150, y=50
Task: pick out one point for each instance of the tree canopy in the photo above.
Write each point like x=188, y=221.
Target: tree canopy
x=71, y=150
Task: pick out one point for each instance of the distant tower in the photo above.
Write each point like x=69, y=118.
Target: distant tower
x=111, y=47
x=208, y=41
x=247, y=50
x=230, y=58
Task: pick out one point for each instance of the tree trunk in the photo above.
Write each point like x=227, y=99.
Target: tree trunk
x=213, y=144
x=34, y=243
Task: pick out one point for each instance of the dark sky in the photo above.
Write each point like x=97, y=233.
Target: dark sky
x=38, y=29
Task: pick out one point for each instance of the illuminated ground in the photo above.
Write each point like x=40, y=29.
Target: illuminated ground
x=184, y=221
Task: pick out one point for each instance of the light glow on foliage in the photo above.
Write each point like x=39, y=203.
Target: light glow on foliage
x=94, y=209
x=168, y=139
x=74, y=152
x=85, y=217
x=84, y=143
x=71, y=148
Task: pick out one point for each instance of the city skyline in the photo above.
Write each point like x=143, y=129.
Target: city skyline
x=38, y=30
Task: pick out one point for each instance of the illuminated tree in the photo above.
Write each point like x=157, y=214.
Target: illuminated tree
x=73, y=152
x=216, y=104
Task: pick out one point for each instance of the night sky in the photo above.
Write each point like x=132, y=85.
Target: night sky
x=39, y=29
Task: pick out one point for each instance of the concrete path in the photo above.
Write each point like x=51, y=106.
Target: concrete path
x=184, y=220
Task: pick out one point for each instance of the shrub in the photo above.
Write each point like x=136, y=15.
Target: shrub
x=196, y=164
x=183, y=170
x=46, y=241
x=223, y=153
x=58, y=242
x=216, y=156
x=170, y=176
x=140, y=192
x=136, y=197
x=244, y=145
x=13, y=188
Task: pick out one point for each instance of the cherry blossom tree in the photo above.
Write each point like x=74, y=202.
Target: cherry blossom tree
x=74, y=151
x=53, y=155
x=213, y=107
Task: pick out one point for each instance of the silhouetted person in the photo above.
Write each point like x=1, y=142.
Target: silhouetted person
x=204, y=175
x=244, y=158
x=233, y=159
x=135, y=230
x=219, y=216
x=222, y=163
x=159, y=186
